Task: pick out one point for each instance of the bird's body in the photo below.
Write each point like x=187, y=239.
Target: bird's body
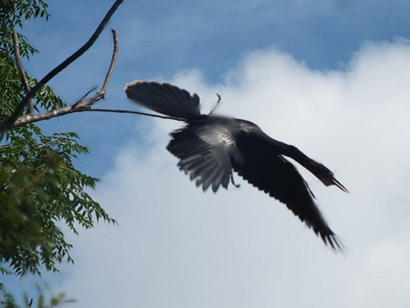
x=211, y=147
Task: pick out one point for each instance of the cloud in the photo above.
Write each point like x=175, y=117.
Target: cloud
x=179, y=247
x=383, y=277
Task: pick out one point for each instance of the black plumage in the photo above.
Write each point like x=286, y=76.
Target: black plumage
x=211, y=147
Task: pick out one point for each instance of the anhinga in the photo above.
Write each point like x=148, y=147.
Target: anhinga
x=210, y=147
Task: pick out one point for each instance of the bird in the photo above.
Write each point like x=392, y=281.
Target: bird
x=210, y=147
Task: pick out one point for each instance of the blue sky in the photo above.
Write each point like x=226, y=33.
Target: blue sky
x=157, y=40
x=325, y=75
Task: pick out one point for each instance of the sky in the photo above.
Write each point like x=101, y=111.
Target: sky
x=331, y=77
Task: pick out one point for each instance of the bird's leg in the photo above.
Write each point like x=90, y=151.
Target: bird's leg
x=233, y=181
x=216, y=105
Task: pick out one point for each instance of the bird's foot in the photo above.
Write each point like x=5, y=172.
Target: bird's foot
x=233, y=181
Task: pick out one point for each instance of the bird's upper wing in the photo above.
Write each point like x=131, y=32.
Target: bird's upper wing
x=272, y=173
x=164, y=98
x=205, y=152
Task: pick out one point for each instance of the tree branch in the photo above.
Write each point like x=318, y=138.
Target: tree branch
x=103, y=91
x=113, y=62
x=83, y=104
x=69, y=109
x=9, y=123
x=135, y=112
x=16, y=45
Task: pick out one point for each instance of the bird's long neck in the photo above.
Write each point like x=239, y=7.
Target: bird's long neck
x=319, y=170
x=299, y=156
x=316, y=168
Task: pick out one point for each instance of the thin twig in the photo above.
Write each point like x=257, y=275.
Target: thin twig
x=7, y=124
x=135, y=112
x=216, y=105
x=84, y=96
x=16, y=45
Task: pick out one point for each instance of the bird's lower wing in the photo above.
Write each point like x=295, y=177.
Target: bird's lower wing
x=280, y=179
x=205, y=154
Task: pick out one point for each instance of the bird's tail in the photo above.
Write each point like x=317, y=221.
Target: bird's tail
x=164, y=98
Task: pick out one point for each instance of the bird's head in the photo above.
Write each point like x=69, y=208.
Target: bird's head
x=326, y=176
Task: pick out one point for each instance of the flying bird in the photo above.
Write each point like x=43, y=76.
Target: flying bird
x=211, y=147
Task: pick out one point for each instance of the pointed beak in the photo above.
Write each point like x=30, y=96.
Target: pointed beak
x=338, y=184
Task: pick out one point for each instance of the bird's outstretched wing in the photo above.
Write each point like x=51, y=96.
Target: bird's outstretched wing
x=164, y=98
x=205, y=152
x=273, y=174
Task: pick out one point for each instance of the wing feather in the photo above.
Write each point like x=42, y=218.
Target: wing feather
x=205, y=152
x=164, y=98
x=272, y=173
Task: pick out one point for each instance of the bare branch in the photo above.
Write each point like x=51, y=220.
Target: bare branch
x=44, y=116
x=113, y=62
x=216, y=105
x=83, y=104
x=16, y=45
x=7, y=124
x=69, y=109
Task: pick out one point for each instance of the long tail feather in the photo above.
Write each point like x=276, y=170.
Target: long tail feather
x=164, y=98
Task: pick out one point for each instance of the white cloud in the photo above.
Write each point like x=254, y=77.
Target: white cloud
x=178, y=247
x=382, y=280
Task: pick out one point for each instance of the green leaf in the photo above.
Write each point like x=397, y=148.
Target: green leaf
x=41, y=190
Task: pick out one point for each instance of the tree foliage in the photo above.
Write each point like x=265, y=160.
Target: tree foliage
x=41, y=190
x=7, y=300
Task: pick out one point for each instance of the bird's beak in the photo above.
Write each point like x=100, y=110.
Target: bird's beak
x=338, y=184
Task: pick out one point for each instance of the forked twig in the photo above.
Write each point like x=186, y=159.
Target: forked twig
x=84, y=103
x=12, y=120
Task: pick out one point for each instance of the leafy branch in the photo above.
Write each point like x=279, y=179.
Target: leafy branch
x=40, y=189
